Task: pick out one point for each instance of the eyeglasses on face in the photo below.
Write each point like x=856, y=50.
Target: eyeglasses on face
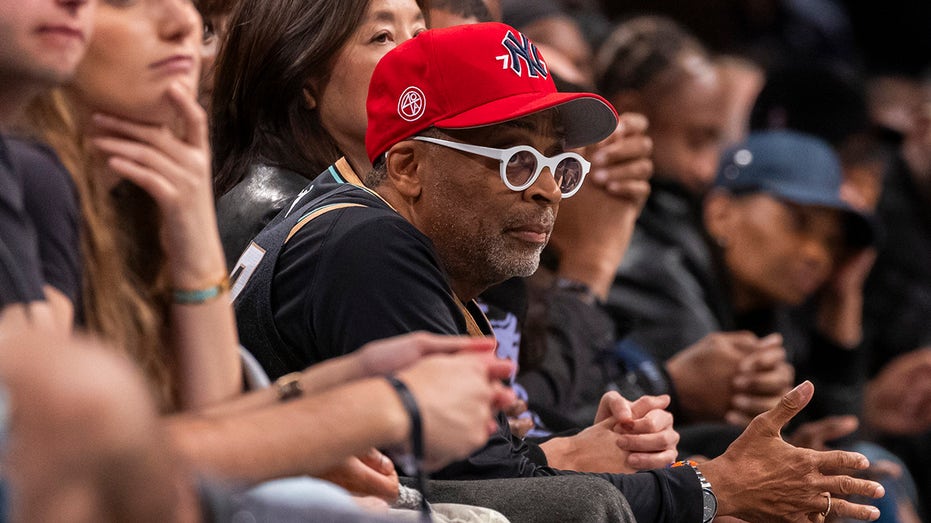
x=521, y=165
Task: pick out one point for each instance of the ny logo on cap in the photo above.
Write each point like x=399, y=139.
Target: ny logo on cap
x=412, y=104
x=522, y=49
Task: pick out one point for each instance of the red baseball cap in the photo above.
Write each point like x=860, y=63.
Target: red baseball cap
x=472, y=76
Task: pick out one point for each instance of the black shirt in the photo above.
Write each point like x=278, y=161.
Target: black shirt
x=20, y=279
x=355, y=271
x=51, y=203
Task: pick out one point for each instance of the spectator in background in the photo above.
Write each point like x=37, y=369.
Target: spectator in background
x=216, y=16
x=652, y=65
x=898, y=304
x=548, y=25
x=830, y=102
x=447, y=13
x=291, y=83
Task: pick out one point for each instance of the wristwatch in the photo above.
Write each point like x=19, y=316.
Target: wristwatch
x=708, y=499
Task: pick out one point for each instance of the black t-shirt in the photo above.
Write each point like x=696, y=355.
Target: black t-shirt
x=353, y=271
x=51, y=203
x=20, y=278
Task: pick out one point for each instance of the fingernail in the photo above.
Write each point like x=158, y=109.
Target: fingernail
x=741, y=382
x=874, y=514
x=599, y=176
x=879, y=492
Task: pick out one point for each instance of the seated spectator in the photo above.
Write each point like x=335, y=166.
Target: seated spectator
x=653, y=66
x=897, y=305
x=167, y=196
x=447, y=13
x=557, y=32
x=290, y=91
x=216, y=15
x=435, y=223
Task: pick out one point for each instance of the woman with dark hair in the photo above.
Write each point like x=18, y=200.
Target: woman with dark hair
x=290, y=101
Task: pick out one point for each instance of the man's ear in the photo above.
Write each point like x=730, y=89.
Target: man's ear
x=718, y=215
x=403, y=166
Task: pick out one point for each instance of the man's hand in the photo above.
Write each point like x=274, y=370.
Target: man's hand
x=763, y=377
x=519, y=426
x=371, y=474
x=646, y=429
x=621, y=163
x=626, y=437
x=762, y=478
x=382, y=357
x=595, y=225
x=457, y=395
x=840, y=308
x=730, y=375
x=898, y=399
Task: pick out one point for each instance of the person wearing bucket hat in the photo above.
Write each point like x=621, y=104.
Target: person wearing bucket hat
x=468, y=137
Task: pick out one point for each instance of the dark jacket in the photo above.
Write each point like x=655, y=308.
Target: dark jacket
x=673, y=289
x=898, y=291
x=248, y=207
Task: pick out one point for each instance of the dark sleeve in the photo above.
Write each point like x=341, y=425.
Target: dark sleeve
x=672, y=495
x=655, y=289
x=376, y=277
x=51, y=203
x=20, y=276
x=839, y=376
x=567, y=383
x=838, y=373
x=251, y=204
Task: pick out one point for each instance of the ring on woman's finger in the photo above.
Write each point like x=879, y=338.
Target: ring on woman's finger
x=828, y=509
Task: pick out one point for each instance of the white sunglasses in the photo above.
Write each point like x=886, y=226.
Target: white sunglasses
x=521, y=165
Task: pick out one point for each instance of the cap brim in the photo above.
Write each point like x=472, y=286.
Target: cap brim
x=861, y=229
x=586, y=118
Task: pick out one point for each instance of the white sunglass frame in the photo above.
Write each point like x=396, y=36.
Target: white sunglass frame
x=503, y=155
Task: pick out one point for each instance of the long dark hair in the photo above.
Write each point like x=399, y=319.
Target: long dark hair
x=259, y=109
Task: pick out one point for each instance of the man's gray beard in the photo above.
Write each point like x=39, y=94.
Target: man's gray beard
x=508, y=263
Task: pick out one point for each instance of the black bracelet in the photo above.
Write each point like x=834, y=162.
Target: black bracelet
x=413, y=412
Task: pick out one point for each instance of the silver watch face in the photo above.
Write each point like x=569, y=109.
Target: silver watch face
x=710, y=505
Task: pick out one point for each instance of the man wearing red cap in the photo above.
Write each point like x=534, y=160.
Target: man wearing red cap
x=468, y=137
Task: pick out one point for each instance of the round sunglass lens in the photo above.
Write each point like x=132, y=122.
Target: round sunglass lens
x=520, y=168
x=568, y=174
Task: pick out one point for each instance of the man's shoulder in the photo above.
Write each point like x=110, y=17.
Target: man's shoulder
x=45, y=180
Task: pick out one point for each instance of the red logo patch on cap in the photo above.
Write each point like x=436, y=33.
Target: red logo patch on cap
x=412, y=104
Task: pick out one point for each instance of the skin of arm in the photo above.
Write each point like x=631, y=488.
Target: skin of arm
x=329, y=427
x=173, y=166
x=456, y=395
x=378, y=358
